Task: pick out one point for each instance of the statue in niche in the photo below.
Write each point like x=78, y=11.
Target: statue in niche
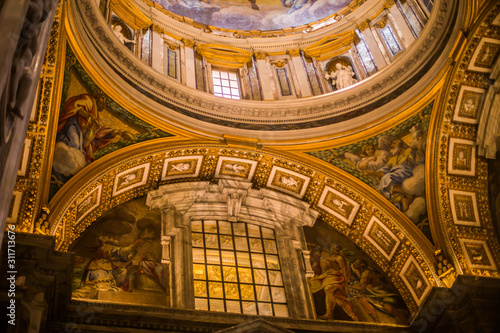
x=117, y=30
x=342, y=77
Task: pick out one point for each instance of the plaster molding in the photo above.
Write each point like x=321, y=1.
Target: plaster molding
x=368, y=101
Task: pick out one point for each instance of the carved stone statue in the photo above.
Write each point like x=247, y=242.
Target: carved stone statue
x=117, y=29
x=342, y=77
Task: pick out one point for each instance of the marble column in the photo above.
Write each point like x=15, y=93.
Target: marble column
x=400, y=25
x=188, y=63
x=302, y=88
x=373, y=46
x=157, y=52
x=265, y=77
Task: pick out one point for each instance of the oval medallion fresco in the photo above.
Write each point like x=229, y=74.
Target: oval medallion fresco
x=254, y=14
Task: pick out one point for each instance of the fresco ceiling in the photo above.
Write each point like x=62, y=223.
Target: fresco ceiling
x=254, y=14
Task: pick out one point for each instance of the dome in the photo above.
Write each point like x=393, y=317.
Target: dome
x=254, y=14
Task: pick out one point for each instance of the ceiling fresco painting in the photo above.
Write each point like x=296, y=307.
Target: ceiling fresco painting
x=392, y=162
x=90, y=125
x=360, y=292
x=254, y=14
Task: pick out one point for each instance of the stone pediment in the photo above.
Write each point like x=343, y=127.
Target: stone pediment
x=258, y=325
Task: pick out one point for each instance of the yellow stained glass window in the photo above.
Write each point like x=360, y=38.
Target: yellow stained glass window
x=197, y=239
x=232, y=291
x=226, y=242
x=199, y=272
x=211, y=241
x=260, y=276
x=200, y=288
x=258, y=260
x=215, y=290
x=247, y=292
x=255, y=245
x=270, y=246
x=230, y=274
x=214, y=273
x=236, y=269
x=245, y=275
x=241, y=243
x=225, y=228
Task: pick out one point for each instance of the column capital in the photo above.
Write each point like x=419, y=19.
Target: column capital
x=388, y=4
x=382, y=23
x=188, y=42
x=363, y=25
x=293, y=52
x=157, y=29
x=260, y=55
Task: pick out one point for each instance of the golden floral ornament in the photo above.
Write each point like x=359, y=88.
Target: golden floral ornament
x=363, y=25
x=279, y=63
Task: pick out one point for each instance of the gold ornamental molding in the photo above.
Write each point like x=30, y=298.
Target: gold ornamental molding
x=382, y=23
x=130, y=14
x=429, y=93
x=105, y=83
x=188, y=42
x=330, y=46
x=363, y=25
x=106, y=184
x=260, y=55
x=224, y=55
x=458, y=197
